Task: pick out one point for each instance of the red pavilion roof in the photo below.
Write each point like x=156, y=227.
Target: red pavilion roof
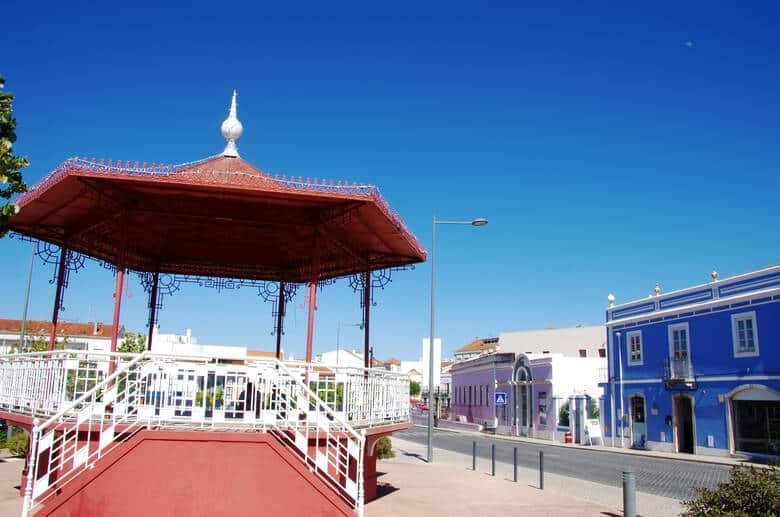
x=217, y=217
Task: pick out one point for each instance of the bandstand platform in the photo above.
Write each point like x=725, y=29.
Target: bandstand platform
x=167, y=434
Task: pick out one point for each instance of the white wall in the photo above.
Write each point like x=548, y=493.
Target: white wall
x=436, y=362
x=187, y=344
x=407, y=366
x=566, y=341
x=342, y=358
x=577, y=375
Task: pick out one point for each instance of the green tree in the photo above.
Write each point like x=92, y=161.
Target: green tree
x=593, y=411
x=563, y=415
x=11, y=166
x=414, y=388
x=133, y=343
x=39, y=343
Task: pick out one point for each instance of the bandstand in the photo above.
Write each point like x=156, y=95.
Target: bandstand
x=202, y=435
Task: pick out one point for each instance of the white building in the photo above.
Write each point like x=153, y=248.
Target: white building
x=476, y=348
x=436, y=362
x=187, y=344
x=351, y=358
x=579, y=341
x=407, y=366
x=93, y=336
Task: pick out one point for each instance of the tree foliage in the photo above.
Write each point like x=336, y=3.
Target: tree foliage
x=384, y=448
x=39, y=343
x=750, y=491
x=133, y=343
x=18, y=443
x=563, y=415
x=414, y=388
x=11, y=166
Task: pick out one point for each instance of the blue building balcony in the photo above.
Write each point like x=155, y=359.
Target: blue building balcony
x=677, y=370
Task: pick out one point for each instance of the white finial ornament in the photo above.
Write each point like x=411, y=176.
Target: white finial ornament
x=232, y=130
x=611, y=299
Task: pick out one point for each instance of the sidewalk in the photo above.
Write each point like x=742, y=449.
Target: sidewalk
x=605, y=448
x=10, y=476
x=450, y=487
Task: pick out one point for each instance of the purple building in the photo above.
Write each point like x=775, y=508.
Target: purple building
x=536, y=385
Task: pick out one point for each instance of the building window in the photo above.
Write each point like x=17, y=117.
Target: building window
x=745, y=334
x=634, y=344
x=583, y=352
x=480, y=395
x=470, y=395
x=602, y=352
x=679, y=342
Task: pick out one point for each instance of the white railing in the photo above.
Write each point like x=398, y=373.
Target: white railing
x=40, y=384
x=365, y=397
x=90, y=412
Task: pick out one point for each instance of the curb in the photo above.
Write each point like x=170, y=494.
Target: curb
x=603, y=448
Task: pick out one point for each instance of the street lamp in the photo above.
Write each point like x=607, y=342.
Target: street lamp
x=480, y=221
x=338, y=336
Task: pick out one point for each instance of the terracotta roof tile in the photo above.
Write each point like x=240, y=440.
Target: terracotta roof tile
x=262, y=353
x=479, y=344
x=63, y=328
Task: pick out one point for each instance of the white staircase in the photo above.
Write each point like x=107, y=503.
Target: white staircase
x=72, y=396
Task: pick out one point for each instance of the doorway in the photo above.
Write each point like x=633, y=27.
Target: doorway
x=522, y=397
x=638, y=424
x=683, y=424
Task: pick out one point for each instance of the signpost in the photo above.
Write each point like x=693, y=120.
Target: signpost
x=500, y=398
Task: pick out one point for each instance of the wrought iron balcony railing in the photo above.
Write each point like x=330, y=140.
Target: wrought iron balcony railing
x=677, y=369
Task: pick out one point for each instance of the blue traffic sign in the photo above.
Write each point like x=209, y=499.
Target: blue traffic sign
x=500, y=398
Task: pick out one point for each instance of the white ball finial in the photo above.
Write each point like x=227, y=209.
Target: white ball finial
x=611, y=299
x=232, y=130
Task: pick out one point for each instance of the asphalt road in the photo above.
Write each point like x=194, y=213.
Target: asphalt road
x=664, y=477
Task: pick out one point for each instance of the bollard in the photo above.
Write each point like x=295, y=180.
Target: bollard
x=541, y=470
x=515, y=464
x=493, y=459
x=629, y=494
x=474, y=456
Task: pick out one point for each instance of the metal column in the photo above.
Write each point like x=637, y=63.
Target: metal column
x=152, y=310
x=280, y=321
x=58, y=296
x=366, y=317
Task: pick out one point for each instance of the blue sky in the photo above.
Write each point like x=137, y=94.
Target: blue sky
x=610, y=147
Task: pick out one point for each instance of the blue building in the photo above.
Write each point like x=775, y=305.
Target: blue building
x=697, y=370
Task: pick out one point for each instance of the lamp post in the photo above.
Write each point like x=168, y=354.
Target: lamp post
x=338, y=336
x=475, y=222
x=620, y=370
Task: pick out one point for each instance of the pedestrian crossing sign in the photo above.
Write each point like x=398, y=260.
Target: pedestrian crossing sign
x=500, y=398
